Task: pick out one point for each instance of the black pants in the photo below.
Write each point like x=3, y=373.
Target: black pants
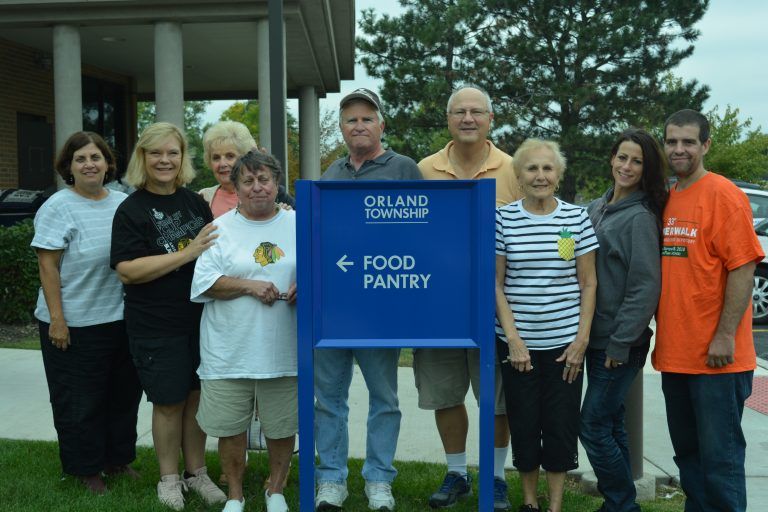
x=542, y=411
x=95, y=395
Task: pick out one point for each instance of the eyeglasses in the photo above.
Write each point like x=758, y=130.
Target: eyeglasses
x=475, y=113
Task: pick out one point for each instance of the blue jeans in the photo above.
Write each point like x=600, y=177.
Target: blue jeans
x=602, y=434
x=704, y=418
x=333, y=375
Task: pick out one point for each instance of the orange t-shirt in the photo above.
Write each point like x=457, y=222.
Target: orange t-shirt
x=707, y=232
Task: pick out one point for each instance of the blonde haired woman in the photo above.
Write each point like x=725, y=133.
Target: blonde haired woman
x=157, y=234
x=223, y=144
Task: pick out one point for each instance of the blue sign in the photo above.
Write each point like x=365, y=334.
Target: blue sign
x=395, y=264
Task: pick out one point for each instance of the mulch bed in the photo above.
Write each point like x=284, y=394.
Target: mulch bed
x=11, y=333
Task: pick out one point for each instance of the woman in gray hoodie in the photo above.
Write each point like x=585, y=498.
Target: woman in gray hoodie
x=627, y=220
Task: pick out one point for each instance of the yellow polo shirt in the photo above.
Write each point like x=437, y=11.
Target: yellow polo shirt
x=498, y=166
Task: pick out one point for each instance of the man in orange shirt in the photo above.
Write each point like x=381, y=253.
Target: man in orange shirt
x=704, y=345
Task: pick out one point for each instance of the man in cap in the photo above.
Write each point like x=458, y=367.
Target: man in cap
x=362, y=125
x=443, y=376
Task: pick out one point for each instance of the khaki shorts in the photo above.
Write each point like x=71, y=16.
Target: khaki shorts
x=443, y=377
x=227, y=406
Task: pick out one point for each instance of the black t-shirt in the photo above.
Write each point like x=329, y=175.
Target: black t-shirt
x=148, y=224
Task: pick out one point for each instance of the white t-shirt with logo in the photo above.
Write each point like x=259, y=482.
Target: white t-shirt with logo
x=243, y=338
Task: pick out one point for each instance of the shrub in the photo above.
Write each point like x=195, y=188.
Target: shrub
x=19, y=278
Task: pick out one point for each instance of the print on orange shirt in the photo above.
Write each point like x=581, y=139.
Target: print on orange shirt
x=678, y=234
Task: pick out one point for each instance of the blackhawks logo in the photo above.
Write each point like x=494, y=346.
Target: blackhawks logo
x=267, y=253
x=566, y=244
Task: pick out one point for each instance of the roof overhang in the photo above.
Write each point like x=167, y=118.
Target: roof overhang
x=219, y=37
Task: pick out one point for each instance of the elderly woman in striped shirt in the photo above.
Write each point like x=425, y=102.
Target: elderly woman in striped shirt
x=545, y=299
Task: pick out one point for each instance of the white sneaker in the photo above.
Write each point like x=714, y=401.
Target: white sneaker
x=234, y=506
x=380, y=496
x=201, y=483
x=330, y=496
x=169, y=491
x=275, y=502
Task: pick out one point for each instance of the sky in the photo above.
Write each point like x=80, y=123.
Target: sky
x=729, y=57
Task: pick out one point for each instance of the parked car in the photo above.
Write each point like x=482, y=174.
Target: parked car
x=758, y=200
x=760, y=288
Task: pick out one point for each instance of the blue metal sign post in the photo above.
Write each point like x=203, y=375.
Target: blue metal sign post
x=395, y=264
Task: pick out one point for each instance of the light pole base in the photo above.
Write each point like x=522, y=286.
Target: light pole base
x=645, y=486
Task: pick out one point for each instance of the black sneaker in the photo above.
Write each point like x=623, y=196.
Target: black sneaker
x=455, y=486
x=527, y=508
x=500, y=499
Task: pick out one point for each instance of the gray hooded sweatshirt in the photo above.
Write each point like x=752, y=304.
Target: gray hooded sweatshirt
x=628, y=265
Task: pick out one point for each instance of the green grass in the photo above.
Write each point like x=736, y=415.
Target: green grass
x=25, y=343
x=406, y=357
x=31, y=480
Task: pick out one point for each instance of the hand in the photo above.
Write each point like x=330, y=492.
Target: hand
x=264, y=291
x=203, y=241
x=612, y=363
x=573, y=355
x=519, y=357
x=58, y=333
x=721, y=350
x=291, y=294
x=285, y=206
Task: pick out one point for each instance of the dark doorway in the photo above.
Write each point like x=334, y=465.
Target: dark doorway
x=104, y=112
x=35, y=151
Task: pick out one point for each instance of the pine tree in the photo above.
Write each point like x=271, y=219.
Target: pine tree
x=576, y=71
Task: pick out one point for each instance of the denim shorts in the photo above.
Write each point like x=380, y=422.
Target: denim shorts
x=167, y=366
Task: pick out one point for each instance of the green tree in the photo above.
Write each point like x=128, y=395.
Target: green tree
x=576, y=71
x=737, y=151
x=332, y=145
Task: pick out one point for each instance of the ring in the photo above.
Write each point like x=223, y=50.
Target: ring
x=567, y=365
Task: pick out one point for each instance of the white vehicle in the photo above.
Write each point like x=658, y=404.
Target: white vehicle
x=758, y=200
x=760, y=289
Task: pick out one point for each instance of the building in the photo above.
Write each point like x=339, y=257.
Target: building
x=67, y=66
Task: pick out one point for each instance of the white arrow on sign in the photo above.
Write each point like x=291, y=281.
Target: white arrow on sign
x=343, y=263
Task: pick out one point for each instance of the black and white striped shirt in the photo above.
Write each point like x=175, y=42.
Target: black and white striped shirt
x=540, y=284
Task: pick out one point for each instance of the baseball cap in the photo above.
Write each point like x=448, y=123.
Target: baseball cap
x=362, y=94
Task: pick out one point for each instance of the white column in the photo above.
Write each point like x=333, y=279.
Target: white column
x=262, y=46
x=309, y=133
x=169, y=73
x=67, y=82
x=67, y=86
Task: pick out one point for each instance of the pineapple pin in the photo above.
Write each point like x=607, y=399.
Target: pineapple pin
x=566, y=244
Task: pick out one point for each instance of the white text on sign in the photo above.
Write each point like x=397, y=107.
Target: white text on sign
x=387, y=273
x=396, y=208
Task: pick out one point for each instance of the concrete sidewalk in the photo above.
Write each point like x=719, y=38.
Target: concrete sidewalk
x=25, y=413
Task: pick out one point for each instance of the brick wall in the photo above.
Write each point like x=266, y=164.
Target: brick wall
x=26, y=87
